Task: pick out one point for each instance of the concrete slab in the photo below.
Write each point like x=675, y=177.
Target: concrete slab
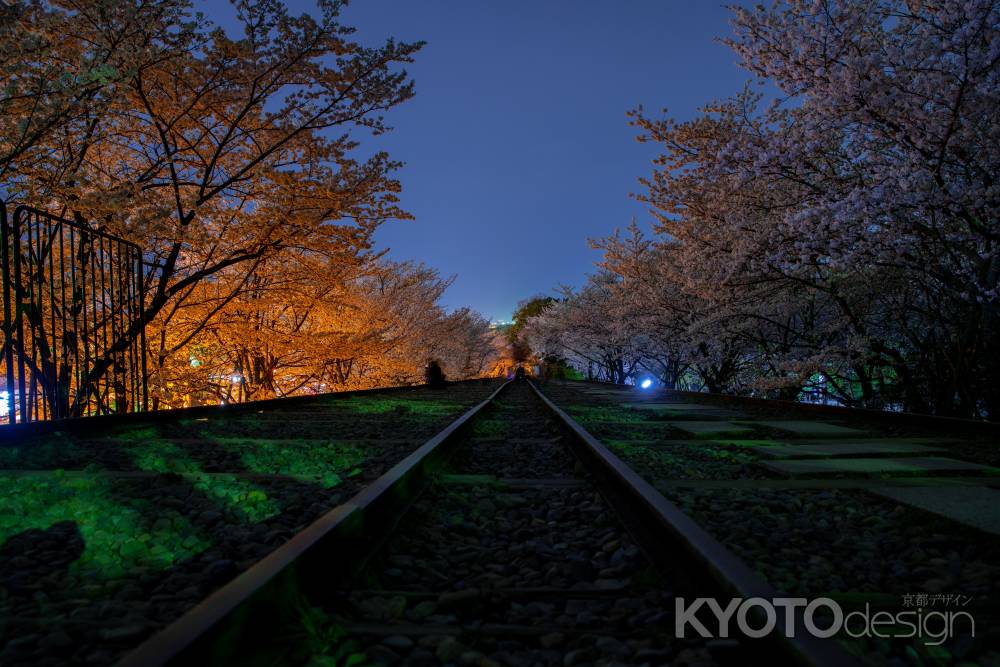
x=930, y=442
x=749, y=442
x=677, y=407
x=834, y=449
x=915, y=465
x=661, y=442
x=821, y=450
x=604, y=396
x=684, y=411
x=637, y=424
x=978, y=507
x=828, y=483
x=810, y=428
x=708, y=429
x=651, y=405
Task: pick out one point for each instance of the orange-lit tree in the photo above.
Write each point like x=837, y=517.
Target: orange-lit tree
x=220, y=154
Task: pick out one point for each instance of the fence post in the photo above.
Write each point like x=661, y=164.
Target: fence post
x=74, y=322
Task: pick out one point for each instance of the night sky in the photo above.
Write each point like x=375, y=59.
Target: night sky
x=517, y=146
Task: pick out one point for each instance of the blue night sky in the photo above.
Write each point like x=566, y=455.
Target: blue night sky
x=517, y=147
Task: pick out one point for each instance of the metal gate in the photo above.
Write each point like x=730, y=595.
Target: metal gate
x=73, y=330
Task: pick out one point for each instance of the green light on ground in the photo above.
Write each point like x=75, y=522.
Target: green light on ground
x=375, y=405
x=240, y=496
x=118, y=536
x=592, y=414
x=324, y=462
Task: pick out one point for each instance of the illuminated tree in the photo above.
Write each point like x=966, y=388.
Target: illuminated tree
x=319, y=327
x=843, y=237
x=64, y=64
x=218, y=154
x=893, y=151
x=589, y=329
x=857, y=219
x=519, y=350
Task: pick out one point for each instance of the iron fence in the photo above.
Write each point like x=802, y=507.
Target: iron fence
x=73, y=328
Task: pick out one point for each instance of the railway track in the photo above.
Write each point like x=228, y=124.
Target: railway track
x=510, y=538
x=111, y=528
x=513, y=558
x=513, y=536
x=886, y=511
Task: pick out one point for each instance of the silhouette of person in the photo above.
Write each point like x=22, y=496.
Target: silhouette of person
x=435, y=376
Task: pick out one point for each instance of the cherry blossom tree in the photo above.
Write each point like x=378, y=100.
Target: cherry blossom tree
x=907, y=92
x=236, y=161
x=216, y=152
x=311, y=329
x=875, y=168
x=842, y=237
x=588, y=329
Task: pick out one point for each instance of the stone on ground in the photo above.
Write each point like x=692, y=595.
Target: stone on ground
x=796, y=451
x=681, y=408
x=644, y=405
x=810, y=428
x=709, y=428
x=976, y=506
x=748, y=442
x=925, y=464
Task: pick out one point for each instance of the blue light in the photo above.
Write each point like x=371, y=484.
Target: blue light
x=646, y=384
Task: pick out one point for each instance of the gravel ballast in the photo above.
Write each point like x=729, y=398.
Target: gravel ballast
x=512, y=559
x=849, y=544
x=105, y=540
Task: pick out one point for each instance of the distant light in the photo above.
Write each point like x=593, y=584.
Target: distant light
x=236, y=379
x=5, y=404
x=646, y=384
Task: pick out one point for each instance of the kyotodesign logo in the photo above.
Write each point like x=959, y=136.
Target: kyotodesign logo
x=822, y=617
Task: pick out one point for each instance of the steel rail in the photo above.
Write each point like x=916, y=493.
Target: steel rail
x=224, y=628
x=221, y=627
x=650, y=517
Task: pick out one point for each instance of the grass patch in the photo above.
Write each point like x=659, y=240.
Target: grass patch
x=736, y=442
x=487, y=427
x=589, y=414
x=377, y=405
x=680, y=461
x=37, y=453
x=118, y=536
x=328, y=463
x=241, y=497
